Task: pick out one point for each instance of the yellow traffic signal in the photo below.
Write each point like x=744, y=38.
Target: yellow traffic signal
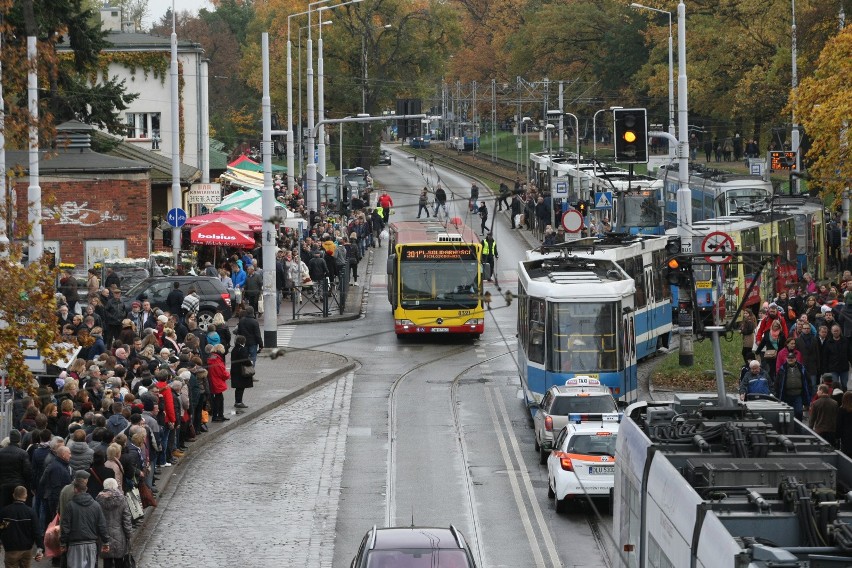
x=630, y=137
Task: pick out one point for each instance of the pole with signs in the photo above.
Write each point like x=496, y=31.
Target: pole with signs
x=684, y=195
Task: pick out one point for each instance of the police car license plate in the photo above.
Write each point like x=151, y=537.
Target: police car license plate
x=440, y=330
x=600, y=469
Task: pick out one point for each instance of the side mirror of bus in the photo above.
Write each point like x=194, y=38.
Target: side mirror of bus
x=391, y=262
x=486, y=271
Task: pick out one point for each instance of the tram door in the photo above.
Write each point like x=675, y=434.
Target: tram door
x=628, y=355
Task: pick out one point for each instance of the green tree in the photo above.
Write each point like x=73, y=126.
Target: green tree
x=67, y=91
x=823, y=103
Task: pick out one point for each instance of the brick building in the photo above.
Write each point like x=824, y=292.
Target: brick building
x=94, y=206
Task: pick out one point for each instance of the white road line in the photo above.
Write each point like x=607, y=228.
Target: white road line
x=516, y=491
x=539, y=517
x=285, y=335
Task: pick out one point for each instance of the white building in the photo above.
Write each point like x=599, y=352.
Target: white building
x=143, y=61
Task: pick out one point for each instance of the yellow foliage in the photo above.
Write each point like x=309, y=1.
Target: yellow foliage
x=27, y=310
x=823, y=104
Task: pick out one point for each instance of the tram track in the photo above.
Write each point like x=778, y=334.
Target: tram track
x=532, y=512
x=494, y=170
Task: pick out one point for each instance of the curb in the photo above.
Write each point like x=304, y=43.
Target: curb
x=170, y=483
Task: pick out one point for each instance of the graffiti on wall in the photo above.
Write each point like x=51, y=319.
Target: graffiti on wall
x=74, y=213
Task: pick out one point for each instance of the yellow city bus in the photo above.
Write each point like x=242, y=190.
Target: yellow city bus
x=435, y=278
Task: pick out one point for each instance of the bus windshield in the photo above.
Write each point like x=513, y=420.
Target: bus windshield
x=439, y=283
x=584, y=337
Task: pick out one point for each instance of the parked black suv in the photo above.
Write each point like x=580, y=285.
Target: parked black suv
x=412, y=547
x=213, y=294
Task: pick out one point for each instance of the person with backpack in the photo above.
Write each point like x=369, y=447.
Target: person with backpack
x=754, y=381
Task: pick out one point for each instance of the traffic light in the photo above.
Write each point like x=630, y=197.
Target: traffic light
x=685, y=272
x=671, y=271
x=167, y=237
x=583, y=207
x=631, y=135
x=672, y=268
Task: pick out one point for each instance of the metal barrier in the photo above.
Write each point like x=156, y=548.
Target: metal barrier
x=320, y=297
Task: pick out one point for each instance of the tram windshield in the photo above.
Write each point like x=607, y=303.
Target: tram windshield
x=584, y=337
x=641, y=211
x=739, y=201
x=439, y=283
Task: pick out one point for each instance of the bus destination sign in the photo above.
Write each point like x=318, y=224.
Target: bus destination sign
x=428, y=253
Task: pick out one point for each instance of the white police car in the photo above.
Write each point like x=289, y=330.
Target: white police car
x=582, y=462
x=579, y=395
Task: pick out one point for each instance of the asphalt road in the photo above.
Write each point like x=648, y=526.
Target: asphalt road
x=430, y=432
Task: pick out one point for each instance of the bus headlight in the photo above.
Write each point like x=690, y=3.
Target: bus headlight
x=404, y=322
x=475, y=321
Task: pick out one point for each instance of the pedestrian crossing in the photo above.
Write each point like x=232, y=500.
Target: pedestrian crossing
x=285, y=335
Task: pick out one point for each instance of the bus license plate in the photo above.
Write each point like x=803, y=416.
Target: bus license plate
x=440, y=330
x=600, y=469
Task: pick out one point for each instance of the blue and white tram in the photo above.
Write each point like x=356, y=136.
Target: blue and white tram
x=715, y=193
x=594, y=309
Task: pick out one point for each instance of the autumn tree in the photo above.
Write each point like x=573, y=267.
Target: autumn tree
x=27, y=315
x=823, y=104
x=406, y=42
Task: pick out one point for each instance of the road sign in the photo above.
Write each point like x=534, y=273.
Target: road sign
x=717, y=247
x=561, y=188
x=603, y=200
x=572, y=221
x=176, y=217
x=204, y=194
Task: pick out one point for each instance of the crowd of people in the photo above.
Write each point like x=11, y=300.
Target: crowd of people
x=129, y=406
x=799, y=349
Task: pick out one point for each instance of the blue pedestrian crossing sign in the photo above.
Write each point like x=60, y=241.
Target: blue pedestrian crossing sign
x=176, y=217
x=603, y=200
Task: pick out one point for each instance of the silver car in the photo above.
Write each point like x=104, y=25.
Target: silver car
x=580, y=395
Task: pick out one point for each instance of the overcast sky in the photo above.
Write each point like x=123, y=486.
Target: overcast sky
x=156, y=8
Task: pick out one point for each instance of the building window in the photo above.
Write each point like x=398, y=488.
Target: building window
x=143, y=125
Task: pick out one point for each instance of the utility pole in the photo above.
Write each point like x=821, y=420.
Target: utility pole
x=175, y=125
x=34, y=190
x=684, y=195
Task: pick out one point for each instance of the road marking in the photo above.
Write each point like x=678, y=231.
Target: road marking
x=285, y=335
x=513, y=481
x=545, y=530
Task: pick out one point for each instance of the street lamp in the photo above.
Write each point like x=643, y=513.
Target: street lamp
x=671, y=70
x=321, y=88
x=301, y=145
x=595, y=131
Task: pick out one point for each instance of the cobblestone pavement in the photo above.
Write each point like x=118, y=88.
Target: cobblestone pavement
x=272, y=484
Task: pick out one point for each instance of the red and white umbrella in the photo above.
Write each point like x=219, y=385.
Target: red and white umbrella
x=222, y=234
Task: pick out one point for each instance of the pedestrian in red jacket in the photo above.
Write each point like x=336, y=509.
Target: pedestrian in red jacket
x=218, y=377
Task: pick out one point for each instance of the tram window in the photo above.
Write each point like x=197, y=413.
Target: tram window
x=523, y=320
x=661, y=291
x=535, y=346
x=635, y=269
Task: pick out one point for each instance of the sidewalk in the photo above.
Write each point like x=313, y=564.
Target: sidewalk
x=277, y=382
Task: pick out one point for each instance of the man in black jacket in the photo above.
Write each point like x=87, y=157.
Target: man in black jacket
x=15, y=468
x=20, y=531
x=250, y=329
